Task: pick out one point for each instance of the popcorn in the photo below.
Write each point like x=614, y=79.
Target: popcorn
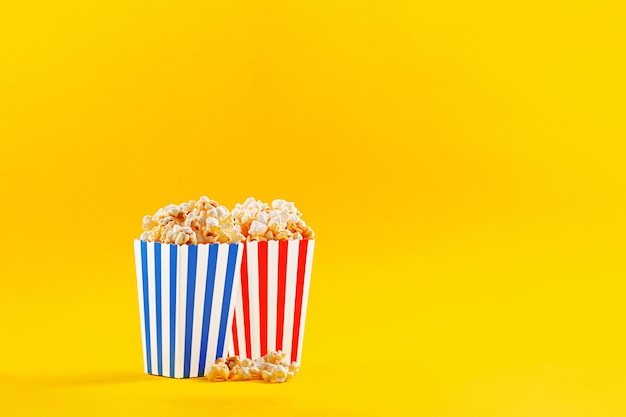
x=271, y=368
x=244, y=373
x=275, y=373
x=259, y=221
x=233, y=361
x=218, y=372
x=257, y=228
x=192, y=223
x=247, y=363
x=274, y=357
x=234, y=371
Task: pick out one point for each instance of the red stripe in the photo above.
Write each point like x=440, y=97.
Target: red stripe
x=235, y=339
x=246, y=301
x=263, y=295
x=299, y=294
x=282, y=282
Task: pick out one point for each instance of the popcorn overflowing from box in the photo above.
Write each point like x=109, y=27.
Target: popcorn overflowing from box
x=195, y=222
x=212, y=282
x=259, y=221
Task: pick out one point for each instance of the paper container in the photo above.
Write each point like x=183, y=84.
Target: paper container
x=271, y=302
x=185, y=304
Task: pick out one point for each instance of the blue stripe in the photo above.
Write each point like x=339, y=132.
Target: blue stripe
x=173, y=267
x=228, y=288
x=146, y=310
x=208, y=304
x=157, y=277
x=191, y=289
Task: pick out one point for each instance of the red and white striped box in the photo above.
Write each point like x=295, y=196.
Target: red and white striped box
x=271, y=300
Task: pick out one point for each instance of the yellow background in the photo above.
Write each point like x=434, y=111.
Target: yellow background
x=462, y=164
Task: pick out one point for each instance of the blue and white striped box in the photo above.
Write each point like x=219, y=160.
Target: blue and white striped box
x=186, y=304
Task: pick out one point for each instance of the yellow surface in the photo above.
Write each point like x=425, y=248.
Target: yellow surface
x=461, y=162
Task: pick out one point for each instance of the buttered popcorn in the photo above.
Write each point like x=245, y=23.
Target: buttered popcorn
x=260, y=221
x=273, y=367
x=192, y=223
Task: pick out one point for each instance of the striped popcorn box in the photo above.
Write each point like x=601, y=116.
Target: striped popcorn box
x=185, y=304
x=271, y=302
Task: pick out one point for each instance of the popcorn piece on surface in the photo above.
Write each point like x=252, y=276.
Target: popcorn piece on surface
x=273, y=367
x=233, y=361
x=255, y=372
x=218, y=372
x=260, y=221
x=280, y=373
x=275, y=373
x=234, y=372
x=244, y=373
x=267, y=376
x=294, y=367
x=192, y=223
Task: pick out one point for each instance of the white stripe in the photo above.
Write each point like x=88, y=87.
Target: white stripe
x=216, y=308
x=180, y=310
x=241, y=330
x=231, y=346
x=253, y=298
x=140, y=295
x=229, y=343
x=165, y=307
x=198, y=308
x=152, y=309
x=230, y=340
x=272, y=292
x=290, y=293
x=305, y=295
x=233, y=293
